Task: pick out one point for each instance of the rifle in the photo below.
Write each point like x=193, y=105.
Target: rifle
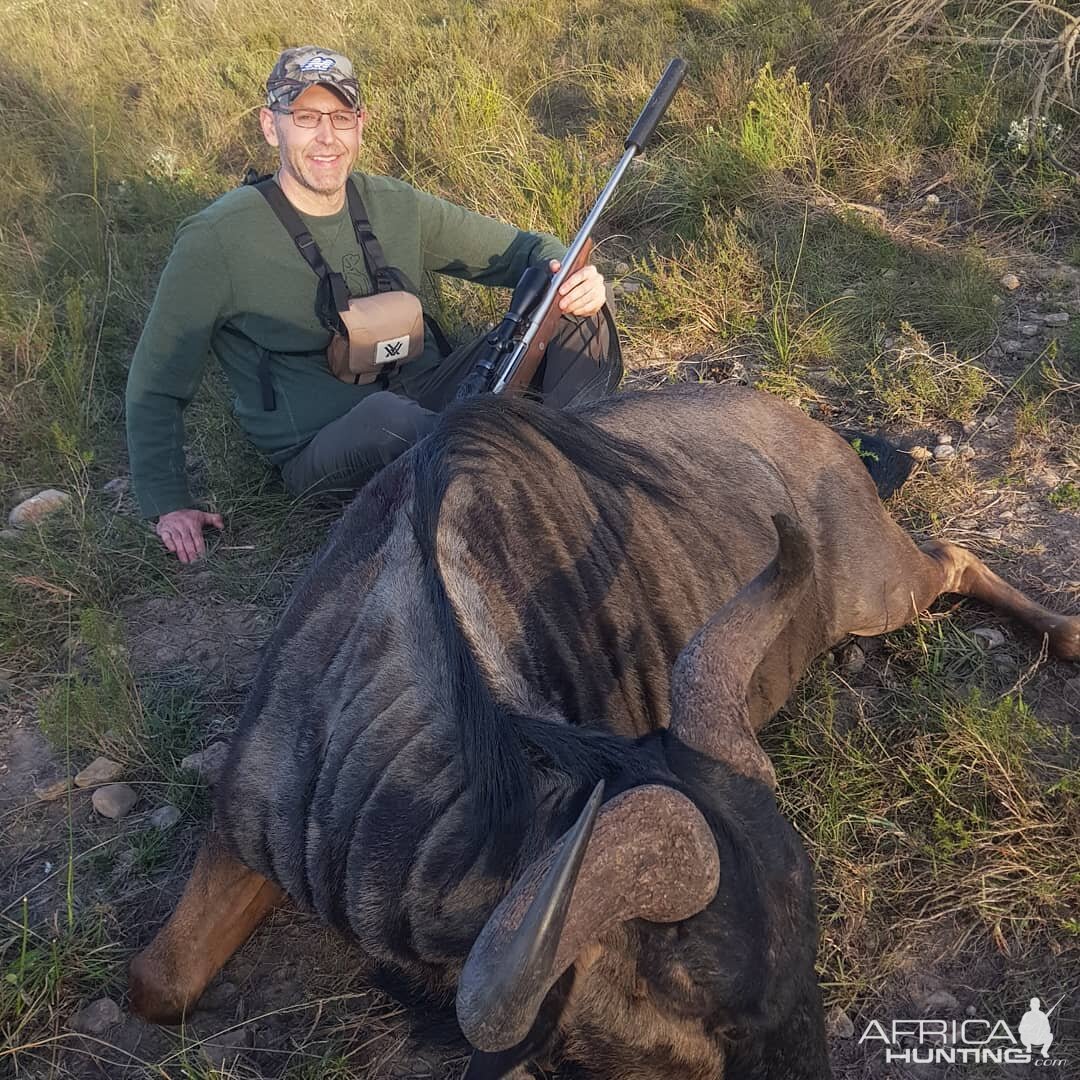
x=513, y=350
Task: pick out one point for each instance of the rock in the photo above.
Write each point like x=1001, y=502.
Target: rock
x=1029, y=329
x=890, y=275
x=970, y=1011
x=839, y=1025
x=114, y=800
x=921, y=453
x=940, y=1001
x=966, y=453
x=209, y=762
x=1010, y=282
x=10, y=535
x=988, y=637
x=97, y=1017
x=222, y=1049
x=932, y=201
x=52, y=792
x=31, y=511
x=164, y=817
x=1012, y=347
x=100, y=771
x=1057, y=318
x=852, y=659
x=944, y=452
x=117, y=486
x=991, y=421
x=944, y=440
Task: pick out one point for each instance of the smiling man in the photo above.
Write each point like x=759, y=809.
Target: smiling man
x=262, y=277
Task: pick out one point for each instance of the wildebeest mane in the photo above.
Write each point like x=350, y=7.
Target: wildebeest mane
x=500, y=747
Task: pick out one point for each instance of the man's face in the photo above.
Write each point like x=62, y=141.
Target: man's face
x=321, y=158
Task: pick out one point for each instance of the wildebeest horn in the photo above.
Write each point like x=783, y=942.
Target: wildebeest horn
x=709, y=708
x=651, y=856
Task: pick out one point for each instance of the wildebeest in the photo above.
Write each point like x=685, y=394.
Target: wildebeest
x=491, y=632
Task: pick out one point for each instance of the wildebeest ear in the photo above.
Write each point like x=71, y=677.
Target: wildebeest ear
x=651, y=855
x=709, y=685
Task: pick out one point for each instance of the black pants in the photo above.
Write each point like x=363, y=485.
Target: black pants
x=582, y=363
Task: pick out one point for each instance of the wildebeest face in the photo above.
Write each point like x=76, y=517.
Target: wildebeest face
x=682, y=906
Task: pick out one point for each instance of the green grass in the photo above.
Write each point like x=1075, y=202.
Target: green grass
x=941, y=805
x=1066, y=496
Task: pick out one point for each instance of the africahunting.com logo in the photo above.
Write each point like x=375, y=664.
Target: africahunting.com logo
x=974, y=1041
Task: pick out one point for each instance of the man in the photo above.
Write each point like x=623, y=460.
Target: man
x=238, y=285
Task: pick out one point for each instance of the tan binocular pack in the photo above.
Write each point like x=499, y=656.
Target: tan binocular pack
x=372, y=335
x=381, y=332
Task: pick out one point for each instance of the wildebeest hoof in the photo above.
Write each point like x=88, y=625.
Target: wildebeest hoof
x=154, y=995
x=1065, y=638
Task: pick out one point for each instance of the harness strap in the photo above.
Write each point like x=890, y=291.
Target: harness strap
x=384, y=277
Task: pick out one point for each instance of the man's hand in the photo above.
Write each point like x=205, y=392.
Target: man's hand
x=181, y=532
x=582, y=293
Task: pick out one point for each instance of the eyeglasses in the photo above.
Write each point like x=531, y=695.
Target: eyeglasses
x=311, y=118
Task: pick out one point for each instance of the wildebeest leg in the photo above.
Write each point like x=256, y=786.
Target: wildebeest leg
x=222, y=904
x=939, y=567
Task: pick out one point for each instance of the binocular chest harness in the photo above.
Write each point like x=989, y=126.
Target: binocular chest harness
x=371, y=336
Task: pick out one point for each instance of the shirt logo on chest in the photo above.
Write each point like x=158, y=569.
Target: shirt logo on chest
x=355, y=274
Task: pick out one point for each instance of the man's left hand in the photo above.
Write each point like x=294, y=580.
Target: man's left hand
x=582, y=293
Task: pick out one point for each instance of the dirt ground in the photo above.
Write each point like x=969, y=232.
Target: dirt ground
x=297, y=1001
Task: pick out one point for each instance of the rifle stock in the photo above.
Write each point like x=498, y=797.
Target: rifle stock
x=523, y=373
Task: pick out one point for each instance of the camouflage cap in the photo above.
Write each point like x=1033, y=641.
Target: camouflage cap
x=308, y=65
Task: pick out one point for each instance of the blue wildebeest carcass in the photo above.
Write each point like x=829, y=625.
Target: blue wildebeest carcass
x=491, y=632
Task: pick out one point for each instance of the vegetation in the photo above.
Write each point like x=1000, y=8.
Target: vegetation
x=826, y=213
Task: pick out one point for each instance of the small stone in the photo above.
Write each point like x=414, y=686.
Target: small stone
x=223, y=1049
x=32, y=510
x=9, y=536
x=852, y=659
x=1029, y=329
x=1010, y=282
x=117, y=486
x=890, y=275
x=839, y=1024
x=944, y=452
x=851, y=292
x=966, y=453
x=97, y=1017
x=1057, y=318
x=970, y=1010
x=52, y=792
x=944, y=439
x=991, y=421
x=114, y=800
x=1006, y=515
x=164, y=817
x=988, y=637
x=970, y=426
x=1012, y=347
x=622, y=268
x=932, y=201
x=940, y=1001
x=921, y=453
x=100, y=771
x=209, y=762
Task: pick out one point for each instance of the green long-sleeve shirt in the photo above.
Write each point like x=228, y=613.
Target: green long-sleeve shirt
x=236, y=287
